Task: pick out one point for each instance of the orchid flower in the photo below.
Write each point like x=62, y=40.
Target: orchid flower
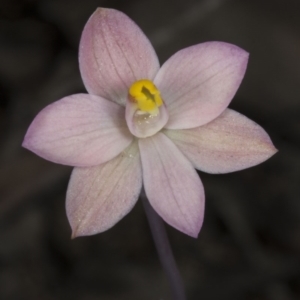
x=142, y=124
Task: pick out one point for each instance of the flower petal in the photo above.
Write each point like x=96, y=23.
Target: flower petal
x=113, y=54
x=230, y=143
x=172, y=185
x=98, y=197
x=79, y=130
x=197, y=83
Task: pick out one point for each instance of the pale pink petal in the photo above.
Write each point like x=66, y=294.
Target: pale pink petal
x=172, y=185
x=113, y=54
x=79, y=130
x=230, y=143
x=99, y=197
x=197, y=83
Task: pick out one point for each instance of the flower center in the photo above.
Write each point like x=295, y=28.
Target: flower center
x=146, y=113
x=146, y=95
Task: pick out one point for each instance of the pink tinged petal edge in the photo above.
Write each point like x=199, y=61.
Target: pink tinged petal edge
x=172, y=185
x=99, y=197
x=230, y=143
x=113, y=54
x=198, y=83
x=79, y=130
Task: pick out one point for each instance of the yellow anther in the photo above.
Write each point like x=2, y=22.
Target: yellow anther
x=146, y=95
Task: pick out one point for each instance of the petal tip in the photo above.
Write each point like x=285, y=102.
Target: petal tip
x=79, y=230
x=192, y=232
x=240, y=56
x=76, y=232
x=73, y=235
x=102, y=12
x=25, y=142
x=272, y=150
x=28, y=142
x=268, y=148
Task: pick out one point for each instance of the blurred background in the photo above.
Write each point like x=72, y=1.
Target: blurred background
x=249, y=247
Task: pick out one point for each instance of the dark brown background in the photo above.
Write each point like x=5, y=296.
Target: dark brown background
x=249, y=247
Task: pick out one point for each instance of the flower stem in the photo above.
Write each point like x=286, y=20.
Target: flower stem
x=164, y=250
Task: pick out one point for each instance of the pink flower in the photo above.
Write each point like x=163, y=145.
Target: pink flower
x=142, y=124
